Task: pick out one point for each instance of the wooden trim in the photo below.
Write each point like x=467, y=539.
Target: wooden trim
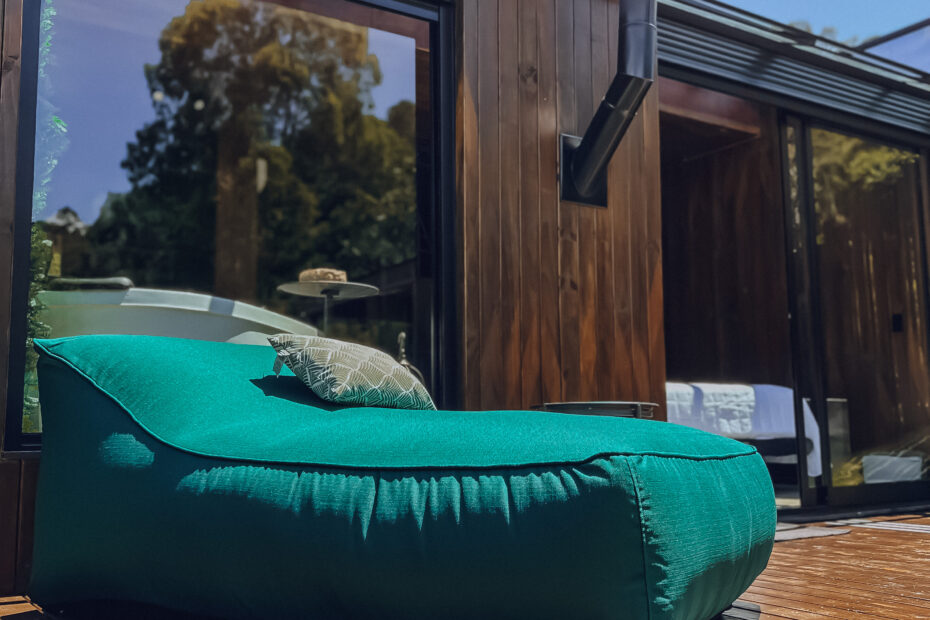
x=10, y=47
x=28, y=482
x=709, y=106
x=9, y=522
x=368, y=16
x=547, y=126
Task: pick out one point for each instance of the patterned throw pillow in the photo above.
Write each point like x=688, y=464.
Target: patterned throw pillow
x=343, y=372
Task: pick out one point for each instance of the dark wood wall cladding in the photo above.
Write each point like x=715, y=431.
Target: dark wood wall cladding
x=18, y=478
x=9, y=519
x=726, y=316
x=559, y=301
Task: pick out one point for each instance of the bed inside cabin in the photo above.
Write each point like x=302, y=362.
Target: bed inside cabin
x=728, y=343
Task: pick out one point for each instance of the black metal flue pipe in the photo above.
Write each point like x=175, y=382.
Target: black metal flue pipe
x=635, y=74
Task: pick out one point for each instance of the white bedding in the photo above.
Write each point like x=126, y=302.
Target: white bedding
x=758, y=411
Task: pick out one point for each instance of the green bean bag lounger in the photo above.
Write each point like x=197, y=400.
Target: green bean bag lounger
x=184, y=474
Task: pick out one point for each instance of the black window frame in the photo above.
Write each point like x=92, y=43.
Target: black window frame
x=436, y=243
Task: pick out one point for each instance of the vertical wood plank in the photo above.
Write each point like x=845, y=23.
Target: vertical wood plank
x=587, y=226
x=492, y=389
x=569, y=298
x=619, y=195
x=655, y=318
x=639, y=288
x=9, y=518
x=530, y=266
x=509, y=85
x=605, y=381
x=550, y=347
x=468, y=204
x=619, y=198
x=29, y=478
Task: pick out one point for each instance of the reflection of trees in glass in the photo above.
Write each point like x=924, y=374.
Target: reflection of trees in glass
x=51, y=141
x=871, y=276
x=263, y=134
x=40, y=255
x=844, y=164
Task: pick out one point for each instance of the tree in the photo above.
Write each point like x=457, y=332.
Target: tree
x=847, y=166
x=264, y=134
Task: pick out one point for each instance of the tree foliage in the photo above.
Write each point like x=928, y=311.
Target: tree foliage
x=847, y=166
x=283, y=91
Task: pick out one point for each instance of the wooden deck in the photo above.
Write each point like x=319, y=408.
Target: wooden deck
x=868, y=573
x=880, y=569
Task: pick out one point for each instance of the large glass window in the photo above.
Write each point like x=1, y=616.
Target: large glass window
x=873, y=308
x=191, y=157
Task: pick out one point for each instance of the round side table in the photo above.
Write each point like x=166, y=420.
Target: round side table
x=329, y=290
x=618, y=408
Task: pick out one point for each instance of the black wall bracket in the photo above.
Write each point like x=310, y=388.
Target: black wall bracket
x=568, y=144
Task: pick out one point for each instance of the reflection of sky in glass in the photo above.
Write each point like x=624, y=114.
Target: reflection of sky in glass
x=856, y=21
x=852, y=19
x=97, y=85
x=910, y=49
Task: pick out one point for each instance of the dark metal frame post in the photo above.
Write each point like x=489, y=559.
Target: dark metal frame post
x=794, y=177
x=445, y=349
x=14, y=439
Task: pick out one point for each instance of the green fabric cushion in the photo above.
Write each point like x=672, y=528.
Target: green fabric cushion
x=229, y=493
x=349, y=373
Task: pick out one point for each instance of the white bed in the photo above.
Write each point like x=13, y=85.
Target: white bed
x=748, y=412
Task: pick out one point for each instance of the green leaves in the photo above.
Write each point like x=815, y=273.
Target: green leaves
x=294, y=88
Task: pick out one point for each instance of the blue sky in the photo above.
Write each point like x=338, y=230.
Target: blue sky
x=96, y=85
x=911, y=49
x=858, y=19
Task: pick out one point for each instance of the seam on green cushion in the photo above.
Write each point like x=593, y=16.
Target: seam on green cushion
x=642, y=531
x=601, y=455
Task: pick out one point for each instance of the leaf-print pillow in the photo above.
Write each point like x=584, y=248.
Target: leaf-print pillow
x=344, y=372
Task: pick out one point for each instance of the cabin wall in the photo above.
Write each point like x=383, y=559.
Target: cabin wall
x=18, y=479
x=558, y=301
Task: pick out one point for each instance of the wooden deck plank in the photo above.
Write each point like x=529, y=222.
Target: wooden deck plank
x=867, y=573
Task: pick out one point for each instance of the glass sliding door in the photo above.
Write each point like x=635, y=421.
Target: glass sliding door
x=869, y=275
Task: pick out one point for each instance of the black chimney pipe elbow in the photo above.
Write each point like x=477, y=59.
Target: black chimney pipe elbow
x=585, y=170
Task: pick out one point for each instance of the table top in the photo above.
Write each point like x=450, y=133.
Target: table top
x=619, y=408
x=329, y=288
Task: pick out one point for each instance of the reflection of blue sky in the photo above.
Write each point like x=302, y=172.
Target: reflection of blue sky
x=96, y=84
x=911, y=49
